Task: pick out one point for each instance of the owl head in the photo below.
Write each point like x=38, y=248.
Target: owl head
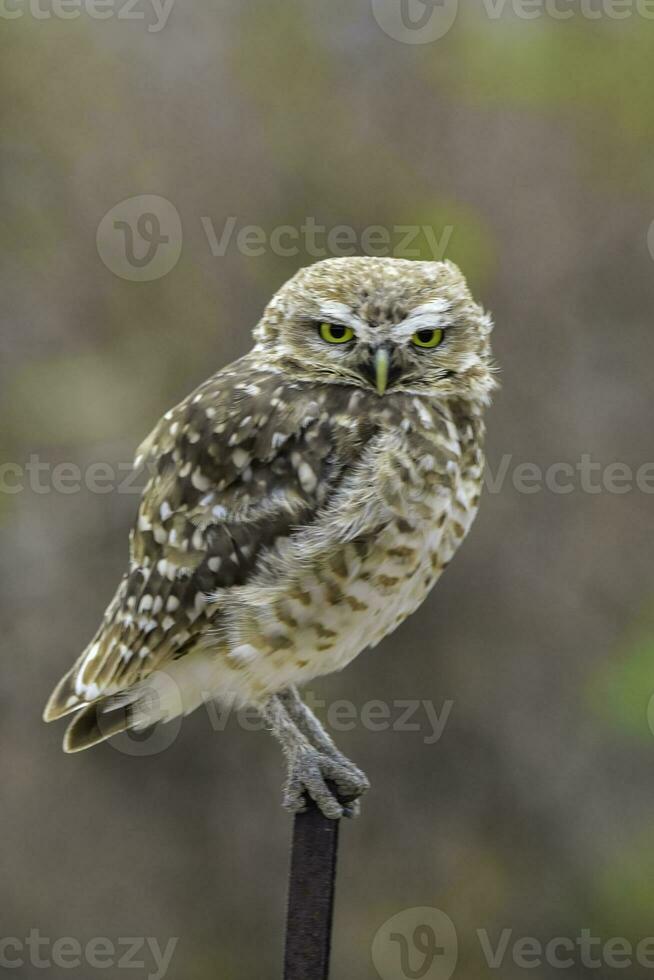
x=391, y=325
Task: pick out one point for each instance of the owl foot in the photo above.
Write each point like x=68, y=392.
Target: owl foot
x=332, y=782
x=316, y=769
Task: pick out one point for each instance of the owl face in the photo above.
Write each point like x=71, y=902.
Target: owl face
x=391, y=325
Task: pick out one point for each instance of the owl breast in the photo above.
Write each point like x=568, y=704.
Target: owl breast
x=353, y=593
x=386, y=579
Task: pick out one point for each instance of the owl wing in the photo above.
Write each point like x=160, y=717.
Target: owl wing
x=248, y=459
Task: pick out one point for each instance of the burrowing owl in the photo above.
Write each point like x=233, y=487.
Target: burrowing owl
x=302, y=503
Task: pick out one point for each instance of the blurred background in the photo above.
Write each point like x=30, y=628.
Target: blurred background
x=524, y=147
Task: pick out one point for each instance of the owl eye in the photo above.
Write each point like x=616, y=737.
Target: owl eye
x=427, y=338
x=333, y=333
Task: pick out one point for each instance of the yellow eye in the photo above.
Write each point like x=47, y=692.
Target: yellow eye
x=427, y=338
x=333, y=333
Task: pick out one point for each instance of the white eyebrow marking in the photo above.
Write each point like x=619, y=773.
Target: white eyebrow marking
x=432, y=316
x=339, y=313
x=435, y=307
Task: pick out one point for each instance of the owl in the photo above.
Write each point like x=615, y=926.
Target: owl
x=301, y=504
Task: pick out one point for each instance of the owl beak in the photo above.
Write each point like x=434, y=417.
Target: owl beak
x=381, y=370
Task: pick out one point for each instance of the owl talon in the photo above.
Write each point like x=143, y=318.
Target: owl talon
x=352, y=810
x=333, y=784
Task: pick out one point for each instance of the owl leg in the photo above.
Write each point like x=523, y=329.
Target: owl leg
x=310, y=771
x=311, y=728
x=306, y=721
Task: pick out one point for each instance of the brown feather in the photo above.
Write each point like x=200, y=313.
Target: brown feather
x=92, y=726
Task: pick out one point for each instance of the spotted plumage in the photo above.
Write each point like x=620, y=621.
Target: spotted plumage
x=301, y=503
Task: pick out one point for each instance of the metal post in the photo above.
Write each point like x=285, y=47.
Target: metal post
x=311, y=896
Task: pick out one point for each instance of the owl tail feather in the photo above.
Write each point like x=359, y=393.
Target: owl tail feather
x=64, y=698
x=94, y=725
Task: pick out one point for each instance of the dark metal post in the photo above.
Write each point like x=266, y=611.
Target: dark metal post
x=311, y=896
